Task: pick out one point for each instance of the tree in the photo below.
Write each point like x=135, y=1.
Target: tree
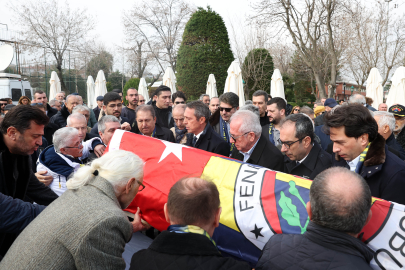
x=205, y=49
x=257, y=69
x=159, y=24
x=131, y=83
x=102, y=61
x=54, y=27
x=117, y=80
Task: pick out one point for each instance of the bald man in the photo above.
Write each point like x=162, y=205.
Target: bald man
x=382, y=107
x=179, y=130
x=193, y=211
x=339, y=207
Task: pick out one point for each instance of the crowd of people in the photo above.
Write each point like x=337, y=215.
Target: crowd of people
x=52, y=161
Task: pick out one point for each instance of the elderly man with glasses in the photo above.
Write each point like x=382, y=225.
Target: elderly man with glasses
x=62, y=158
x=304, y=156
x=250, y=145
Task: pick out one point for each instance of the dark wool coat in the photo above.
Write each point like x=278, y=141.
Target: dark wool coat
x=210, y=141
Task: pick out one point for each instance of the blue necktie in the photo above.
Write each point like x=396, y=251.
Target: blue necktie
x=194, y=140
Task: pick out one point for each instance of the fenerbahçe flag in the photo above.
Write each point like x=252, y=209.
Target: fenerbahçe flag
x=256, y=202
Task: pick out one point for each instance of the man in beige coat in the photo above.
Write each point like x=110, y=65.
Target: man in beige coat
x=85, y=228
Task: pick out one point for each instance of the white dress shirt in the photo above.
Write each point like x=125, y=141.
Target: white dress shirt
x=353, y=163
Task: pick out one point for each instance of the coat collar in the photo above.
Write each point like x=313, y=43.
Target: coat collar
x=257, y=152
x=310, y=161
x=105, y=186
x=376, y=152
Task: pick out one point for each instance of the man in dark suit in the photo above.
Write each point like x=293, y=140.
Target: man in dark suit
x=97, y=109
x=303, y=155
x=250, y=145
x=146, y=123
x=200, y=133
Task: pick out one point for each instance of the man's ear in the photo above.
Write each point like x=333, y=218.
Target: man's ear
x=217, y=217
x=386, y=129
x=282, y=112
x=308, y=207
x=201, y=120
x=12, y=133
x=129, y=185
x=104, y=107
x=166, y=213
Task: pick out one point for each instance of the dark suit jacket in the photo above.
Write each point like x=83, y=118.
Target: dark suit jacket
x=162, y=133
x=210, y=141
x=265, y=133
x=319, y=120
x=392, y=142
x=265, y=154
x=96, y=111
x=316, y=162
x=325, y=139
x=51, y=111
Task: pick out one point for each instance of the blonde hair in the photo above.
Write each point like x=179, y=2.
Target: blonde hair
x=117, y=167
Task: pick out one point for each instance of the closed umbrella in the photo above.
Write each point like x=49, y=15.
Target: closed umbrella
x=100, y=85
x=211, y=86
x=234, y=82
x=397, y=90
x=169, y=79
x=90, y=92
x=55, y=85
x=143, y=90
x=374, y=88
x=277, y=85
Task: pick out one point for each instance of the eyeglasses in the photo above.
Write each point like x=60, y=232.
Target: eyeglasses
x=296, y=110
x=3, y=104
x=140, y=101
x=288, y=144
x=78, y=147
x=141, y=186
x=235, y=138
x=35, y=104
x=180, y=102
x=225, y=109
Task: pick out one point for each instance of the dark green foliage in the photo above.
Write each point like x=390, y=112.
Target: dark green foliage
x=257, y=69
x=131, y=83
x=104, y=60
x=205, y=49
x=115, y=78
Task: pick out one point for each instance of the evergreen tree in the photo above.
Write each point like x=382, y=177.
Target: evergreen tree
x=131, y=83
x=205, y=49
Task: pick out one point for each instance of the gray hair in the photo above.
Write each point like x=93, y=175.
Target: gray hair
x=385, y=119
x=334, y=212
x=179, y=106
x=204, y=95
x=146, y=108
x=250, y=121
x=261, y=93
x=230, y=99
x=117, y=167
x=70, y=96
x=106, y=119
x=307, y=110
x=81, y=108
x=53, y=101
x=357, y=98
x=75, y=115
x=247, y=102
x=304, y=126
x=200, y=109
x=63, y=137
x=250, y=107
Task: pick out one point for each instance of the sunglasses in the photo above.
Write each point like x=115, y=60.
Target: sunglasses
x=296, y=110
x=142, y=100
x=225, y=109
x=3, y=104
x=180, y=102
x=34, y=104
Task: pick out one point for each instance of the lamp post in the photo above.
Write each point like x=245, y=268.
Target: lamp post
x=352, y=89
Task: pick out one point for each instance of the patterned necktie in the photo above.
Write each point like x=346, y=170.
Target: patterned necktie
x=194, y=140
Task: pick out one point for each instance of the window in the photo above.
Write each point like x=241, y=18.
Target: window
x=15, y=94
x=28, y=93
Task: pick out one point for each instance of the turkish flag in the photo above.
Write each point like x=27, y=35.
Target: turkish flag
x=165, y=164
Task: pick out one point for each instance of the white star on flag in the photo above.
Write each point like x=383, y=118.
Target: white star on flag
x=174, y=148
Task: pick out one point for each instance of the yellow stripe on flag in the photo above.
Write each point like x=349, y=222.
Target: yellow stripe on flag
x=298, y=181
x=223, y=173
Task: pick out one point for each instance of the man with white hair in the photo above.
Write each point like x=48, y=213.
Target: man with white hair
x=386, y=126
x=179, y=130
x=86, y=227
x=360, y=99
x=60, y=118
x=250, y=145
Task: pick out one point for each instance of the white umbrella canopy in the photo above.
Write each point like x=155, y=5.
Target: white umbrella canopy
x=234, y=82
x=100, y=85
x=396, y=94
x=55, y=85
x=143, y=90
x=169, y=79
x=211, y=86
x=277, y=85
x=91, y=99
x=374, y=88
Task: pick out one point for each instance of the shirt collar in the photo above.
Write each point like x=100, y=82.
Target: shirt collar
x=251, y=149
x=198, y=135
x=353, y=163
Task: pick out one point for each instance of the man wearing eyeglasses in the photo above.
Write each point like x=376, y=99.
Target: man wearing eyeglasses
x=276, y=108
x=228, y=105
x=141, y=100
x=250, y=145
x=62, y=158
x=179, y=98
x=303, y=155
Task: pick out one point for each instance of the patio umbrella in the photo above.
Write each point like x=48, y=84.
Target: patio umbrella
x=234, y=82
x=396, y=94
x=90, y=92
x=277, y=85
x=374, y=88
x=211, y=86
x=169, y=79
x=100, y=85
x=143, y=90
x=55, y=85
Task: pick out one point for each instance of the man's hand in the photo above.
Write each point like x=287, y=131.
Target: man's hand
x=137, y=224
x=99, y=150
x=126, y=126
x=46, y=179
